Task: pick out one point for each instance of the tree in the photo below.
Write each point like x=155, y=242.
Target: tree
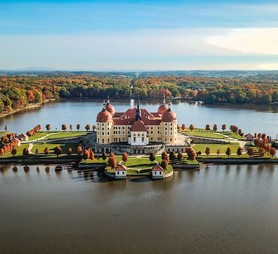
x=180, y=156
x=112, y=162
x=164, y=156
x=250, y=151
x=79, y=150
x=224, y=127
x=218, y=152
x=64, y=127
x=272, y=151
x=191, y=127
x=46, y=151
x=215, y=127
x=172, y=155
x=78, y=127
x=88, y=127
x=14, y=151
x=183, y=127
x=190, y=153
x=239, y=151
x=58, y=150
x=152, y=156
x=69, y=151
x=124, y=157
x=92, y=155
x=71, y=127
x=207, y=127
x=86, y=154
x=228, y=151
x=199, y=153
x=261, y=152
x=94, y=128
x=37, y=151
x=164, y=164
x=25, y=151
x=47, y=127
x=207, y=151
x=103, y=156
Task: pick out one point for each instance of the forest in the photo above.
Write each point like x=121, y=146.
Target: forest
x=19, y=91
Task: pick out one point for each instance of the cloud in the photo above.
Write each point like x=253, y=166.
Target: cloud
x=268, y=66
x=248, y=41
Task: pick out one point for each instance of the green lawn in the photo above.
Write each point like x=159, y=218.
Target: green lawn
x=57, y=134
x=204, y=133
x=19, y=151
x=215, y=147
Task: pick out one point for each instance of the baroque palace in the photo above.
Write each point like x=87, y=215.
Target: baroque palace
x=137, y=130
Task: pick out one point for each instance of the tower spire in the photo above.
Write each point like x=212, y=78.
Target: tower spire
x=138, y=113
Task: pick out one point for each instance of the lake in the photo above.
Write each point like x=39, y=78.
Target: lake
x=249, y=118
x=217, y=209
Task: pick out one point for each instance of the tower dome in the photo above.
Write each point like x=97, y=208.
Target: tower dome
x=162, y=108
x=169, y=116
x=104, y=116
x=110, y=108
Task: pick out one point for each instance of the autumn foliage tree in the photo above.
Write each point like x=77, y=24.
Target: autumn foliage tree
x=47, y=127
x=218, y=152
x=78, y=127
x=172, y=155
x=69, y=151
x=103, y=156
x=239, y=151
x=208, y=127
x=191, y=127
x=261, y=151
x=112, y=162
x=64, y=127
x=165, y=156
x=207, y=151
x=46, y=151
x=190, y=153
x=164, y=164
x=228, y=151
x=14, y=151
x=250, y=151
x=215, y=127
x=79, y=150
x=88, y=127
x=124, y=157
x=58, y=150
x=224, y=127
x=92, y=155
x=152, y=156
x=272, y=151
x=183, y=127
x=180, y=156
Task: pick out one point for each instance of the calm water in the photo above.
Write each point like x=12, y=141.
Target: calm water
x=249, y=118
x=219, y=209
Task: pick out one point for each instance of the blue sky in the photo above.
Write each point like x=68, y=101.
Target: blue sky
x=139, y=35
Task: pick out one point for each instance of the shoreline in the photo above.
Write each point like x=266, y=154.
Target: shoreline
x=29, y=106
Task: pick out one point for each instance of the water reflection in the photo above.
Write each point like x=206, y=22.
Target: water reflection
x=15, y=169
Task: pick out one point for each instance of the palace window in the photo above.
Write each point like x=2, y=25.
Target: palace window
x=134, y=139
x=102, y=133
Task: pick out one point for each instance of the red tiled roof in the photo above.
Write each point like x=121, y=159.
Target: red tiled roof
x=121, y=168
x=138, y=126
x=128, y=117
x=157, y=168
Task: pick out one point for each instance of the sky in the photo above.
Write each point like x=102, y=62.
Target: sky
x=139, y=35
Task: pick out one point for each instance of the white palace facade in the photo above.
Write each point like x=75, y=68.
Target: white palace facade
x=136, y=126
